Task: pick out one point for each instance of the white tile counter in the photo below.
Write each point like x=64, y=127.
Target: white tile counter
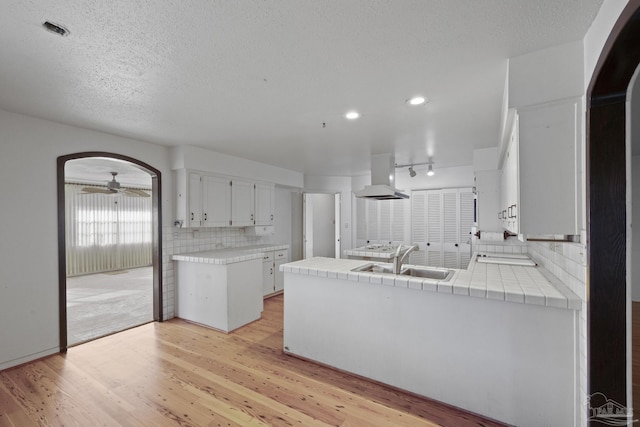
x=497, y=340
x=519, y=284
x=382, y=252
x=229, y=255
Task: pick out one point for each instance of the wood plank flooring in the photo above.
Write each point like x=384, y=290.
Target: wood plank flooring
x=177, y=373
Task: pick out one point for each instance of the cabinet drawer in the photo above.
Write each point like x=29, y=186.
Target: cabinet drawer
x=267, y=256
x=280, y=255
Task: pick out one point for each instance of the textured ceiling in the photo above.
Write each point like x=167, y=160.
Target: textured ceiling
x=269, y=80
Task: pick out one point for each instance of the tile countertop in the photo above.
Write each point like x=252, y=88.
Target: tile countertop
x=373, y=251
x=229, y=255
x=518, y=284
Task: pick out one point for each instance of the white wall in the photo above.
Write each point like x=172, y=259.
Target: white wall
x=544, y=75
x=190, y=157
x=28, y=224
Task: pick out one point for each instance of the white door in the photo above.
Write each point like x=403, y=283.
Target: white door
x=321, y=227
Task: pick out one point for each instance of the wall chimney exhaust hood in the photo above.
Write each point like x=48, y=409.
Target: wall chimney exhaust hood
x=383, y=177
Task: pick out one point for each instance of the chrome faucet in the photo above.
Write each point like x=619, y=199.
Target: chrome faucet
x=401, y=253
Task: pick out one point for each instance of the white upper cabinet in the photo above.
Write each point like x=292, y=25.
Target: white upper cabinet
x=242, y=203
x=264, y=203
x=209, y=200
x=202, y=200
x=540, y=193
x=216, y=192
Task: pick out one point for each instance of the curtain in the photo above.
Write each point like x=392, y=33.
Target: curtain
x=106, y=232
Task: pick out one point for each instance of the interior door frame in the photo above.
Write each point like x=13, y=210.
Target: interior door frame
x=606, y=175
x=336, y=218
x=156, y=246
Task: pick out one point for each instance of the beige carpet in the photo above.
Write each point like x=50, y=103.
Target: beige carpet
x=101, y=304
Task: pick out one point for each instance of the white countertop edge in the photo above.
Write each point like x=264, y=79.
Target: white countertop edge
x=225, y=256
x=529, y=295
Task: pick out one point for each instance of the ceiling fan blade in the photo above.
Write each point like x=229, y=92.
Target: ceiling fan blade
x=135, y=193
x=96, y=190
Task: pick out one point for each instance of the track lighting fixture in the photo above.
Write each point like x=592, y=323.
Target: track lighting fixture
x=413, y=173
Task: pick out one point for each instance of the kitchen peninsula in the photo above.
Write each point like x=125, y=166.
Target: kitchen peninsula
x=497, y=340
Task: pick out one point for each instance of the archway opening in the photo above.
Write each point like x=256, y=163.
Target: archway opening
x=154, y=237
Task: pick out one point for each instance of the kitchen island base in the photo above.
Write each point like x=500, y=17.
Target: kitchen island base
x=511, y=362
x=221, y=296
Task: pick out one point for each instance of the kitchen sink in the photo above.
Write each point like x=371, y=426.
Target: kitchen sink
x=376, y=268
x=440, y=274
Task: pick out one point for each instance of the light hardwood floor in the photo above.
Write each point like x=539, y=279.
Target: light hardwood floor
x=177, y=373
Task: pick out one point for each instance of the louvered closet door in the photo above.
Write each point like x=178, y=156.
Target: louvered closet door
x=398, y=221
x=419, y=227
x=372, y=221
x=435, y=238
x=361, y=221
x=384, y=224
x=450, y=228
x=466, y=224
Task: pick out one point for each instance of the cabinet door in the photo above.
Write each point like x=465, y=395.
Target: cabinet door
x=216, y=211
x=194, y=216
x=242, y=203
x=267, y=278
x=265, y=194
x=279, y=276
x=450, y=229
x=549, y=144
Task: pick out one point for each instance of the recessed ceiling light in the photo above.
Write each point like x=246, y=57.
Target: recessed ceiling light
x=55, y=28
x=352, y=115
x=416, y=100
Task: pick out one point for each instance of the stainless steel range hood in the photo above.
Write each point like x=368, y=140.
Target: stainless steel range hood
x=383, y=177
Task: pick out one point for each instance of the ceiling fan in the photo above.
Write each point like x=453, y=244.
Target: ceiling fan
x=113, y=187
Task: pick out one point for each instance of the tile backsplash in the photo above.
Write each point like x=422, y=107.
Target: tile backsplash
x=185, y=240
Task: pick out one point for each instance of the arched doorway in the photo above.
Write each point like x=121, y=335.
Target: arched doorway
x=607, y=172
x=156, y=235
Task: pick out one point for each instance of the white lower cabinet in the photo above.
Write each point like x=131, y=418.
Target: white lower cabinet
x=272, y=277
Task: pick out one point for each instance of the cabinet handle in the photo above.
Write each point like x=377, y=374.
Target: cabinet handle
x=509, y=212
x=205, y=216
x=514, y=211
x=271, y=270
x=192, y=216
x=504, y=214
x=500, y=215
x=271, y=217
x=251, y=217
x=428, y=244
x=456, y=245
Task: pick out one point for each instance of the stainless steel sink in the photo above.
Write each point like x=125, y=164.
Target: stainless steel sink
x=376, y=268
x=440, y=274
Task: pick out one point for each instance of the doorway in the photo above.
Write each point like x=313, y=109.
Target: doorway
x=321, y=225
x=120, y=235
x=608, y=214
